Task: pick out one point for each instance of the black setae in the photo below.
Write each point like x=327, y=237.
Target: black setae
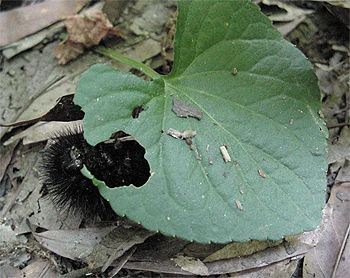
x=115, y=161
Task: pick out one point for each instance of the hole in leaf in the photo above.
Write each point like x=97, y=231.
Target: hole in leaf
x=118, y=161
x=136, y=111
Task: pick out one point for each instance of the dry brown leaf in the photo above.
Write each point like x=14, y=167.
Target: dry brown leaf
x=68, y=51
x=73, y=244
x=321, y=260
x=84, y=31
x=88, y=29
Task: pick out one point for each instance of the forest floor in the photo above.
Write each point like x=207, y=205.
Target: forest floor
x=32, y=78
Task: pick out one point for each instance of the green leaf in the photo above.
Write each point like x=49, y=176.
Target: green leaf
x=258, y=98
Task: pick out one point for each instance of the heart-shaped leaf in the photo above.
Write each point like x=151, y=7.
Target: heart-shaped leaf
x=246, y=160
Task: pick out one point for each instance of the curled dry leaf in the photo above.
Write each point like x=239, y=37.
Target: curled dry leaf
x=84, y=31
x=88, y=29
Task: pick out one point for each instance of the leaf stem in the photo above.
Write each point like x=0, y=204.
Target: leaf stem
x=114, y=54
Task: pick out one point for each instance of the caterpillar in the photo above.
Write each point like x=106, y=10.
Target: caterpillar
x=115, y=161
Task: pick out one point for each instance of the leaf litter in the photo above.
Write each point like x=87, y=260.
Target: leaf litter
x=339, y=195
x=329, y=257
x=84, y=31
x=185, y=135
x=184, y=110
x=225, y=155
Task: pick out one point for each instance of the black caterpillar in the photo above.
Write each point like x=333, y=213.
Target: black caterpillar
x=115, y=161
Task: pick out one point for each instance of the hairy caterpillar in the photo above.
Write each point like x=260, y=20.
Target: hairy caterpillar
x=116, y=162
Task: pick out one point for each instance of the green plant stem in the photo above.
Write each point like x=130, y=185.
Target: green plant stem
x=125, y=60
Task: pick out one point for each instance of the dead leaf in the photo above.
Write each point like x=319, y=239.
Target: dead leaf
x=72, y=244
x=201, y=251
x=38, y=268
x=157, y=266
x=114, y=9
x=339, y=3
x=29, y=42
x=186, y=134
x=114, y=244
x=184, y=110
x=88, y=29
x=157, y=258
x=118, y=264
x=289, y=12
x=5, y=158
x=8, y=236
x=321, y=260
x=42, y=131
x=340, y=151
x=67, y=51
x=32, y=18
x=8, y=271
x=152, y=20
x=344, y=172
x=284, y=268
x=343, y=259
x=191, y=265
x=237, y=249
x=286, y=27
x=84, y=31
x=47, y=216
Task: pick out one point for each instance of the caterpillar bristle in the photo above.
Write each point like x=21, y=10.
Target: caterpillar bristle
x=115, y=163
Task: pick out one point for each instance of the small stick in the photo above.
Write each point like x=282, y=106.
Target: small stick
x=225, y=154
